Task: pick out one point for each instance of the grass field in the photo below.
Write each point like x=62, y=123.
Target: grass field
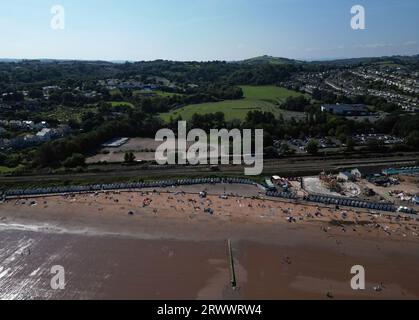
x=122, y=104
x=262, y=98
x=157, y=93
x=6, y=170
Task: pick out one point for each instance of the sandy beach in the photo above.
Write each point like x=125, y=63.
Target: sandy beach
x=171, y=244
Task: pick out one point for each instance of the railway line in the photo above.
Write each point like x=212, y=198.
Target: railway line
x=285, y=167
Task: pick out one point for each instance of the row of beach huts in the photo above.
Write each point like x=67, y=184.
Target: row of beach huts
x=328, y=200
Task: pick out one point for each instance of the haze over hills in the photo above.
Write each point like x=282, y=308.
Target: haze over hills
x=373, y=60
x=279, y=60
x=265, y=59
x=10, y=60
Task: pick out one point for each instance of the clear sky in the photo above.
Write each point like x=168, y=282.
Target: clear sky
x=207, y=29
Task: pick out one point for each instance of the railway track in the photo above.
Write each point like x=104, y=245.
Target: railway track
x=285, y=167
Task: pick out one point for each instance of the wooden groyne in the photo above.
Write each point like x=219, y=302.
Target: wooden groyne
x=233, y=280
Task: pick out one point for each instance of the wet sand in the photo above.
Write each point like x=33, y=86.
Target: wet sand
x=314, y=270
x=110, y=268
x=136, y=245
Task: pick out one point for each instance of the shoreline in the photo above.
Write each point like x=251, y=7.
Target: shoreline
x=113, y=211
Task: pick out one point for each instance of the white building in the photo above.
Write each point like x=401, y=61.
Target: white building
x=45, y=134
x=356, y=174
x=345, y=176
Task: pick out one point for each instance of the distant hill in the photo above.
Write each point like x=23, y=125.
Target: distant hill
x=393, y=60
x=265, y=59
x=269, y=60
x=10, y=60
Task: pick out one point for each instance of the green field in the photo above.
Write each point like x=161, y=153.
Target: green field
x=122, y=104
x=262, y=98
x=157, y=93
x=6, y=170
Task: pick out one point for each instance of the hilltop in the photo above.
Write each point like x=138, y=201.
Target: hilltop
x=266, y=59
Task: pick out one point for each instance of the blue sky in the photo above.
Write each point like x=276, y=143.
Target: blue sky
x=207, y=29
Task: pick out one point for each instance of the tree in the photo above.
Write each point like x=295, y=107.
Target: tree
x=3, y=158
x=413, y=140
x=13, y=160
x=129, y=157
x=313, y=147
x=75, y=160
x=286, y=150
x=36, y=94
x=375, y=145
x=67, y=98
x=14, y=97
x=299, y=104
x=350, y=144
x=271, y=152
x=342, y=137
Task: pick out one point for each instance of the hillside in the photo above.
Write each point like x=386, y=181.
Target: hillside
x=269, y=59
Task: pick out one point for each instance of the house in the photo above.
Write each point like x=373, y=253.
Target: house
x=269, y=185
x=276, y=179
x=62, y=130
x=90, y=94
x=29, y=124
x=30, y=139
x=281, y=183
x=48, y=89
x=4, y=106
x=16, y=124
x=32, y=104
x=18, y=142
x=356, y=174
x=4, y=143
x=345, y=176
x=41, y=125
x=44, y=135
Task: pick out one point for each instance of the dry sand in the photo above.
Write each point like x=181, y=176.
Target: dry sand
x=164, y=245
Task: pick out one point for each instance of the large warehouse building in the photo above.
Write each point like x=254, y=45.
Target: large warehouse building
x=346, y=109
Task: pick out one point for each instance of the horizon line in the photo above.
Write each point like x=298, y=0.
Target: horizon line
x=325, y=59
